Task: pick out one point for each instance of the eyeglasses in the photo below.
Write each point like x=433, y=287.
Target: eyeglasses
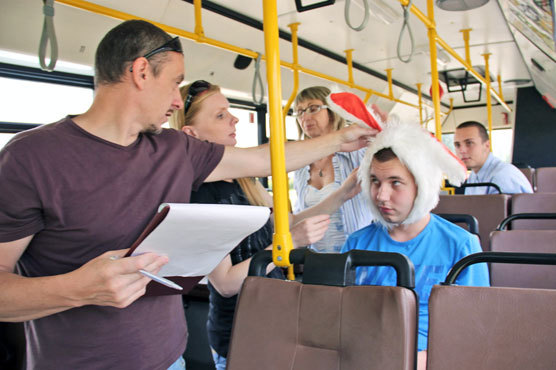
x=196, y=88
x=171, y=45
x=311, y=109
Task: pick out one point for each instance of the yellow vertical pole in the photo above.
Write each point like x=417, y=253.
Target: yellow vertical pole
x=349, y=60
x=465, y=32
x=434, y=69
x=198, y=19
x=293, y=28
x=367, y=96
x=420, y=103
x=389, y=76
x=282, y=239
x=500, y=87
x=488, y=99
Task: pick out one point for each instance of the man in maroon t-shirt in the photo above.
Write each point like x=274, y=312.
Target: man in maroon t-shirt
x=76, y=193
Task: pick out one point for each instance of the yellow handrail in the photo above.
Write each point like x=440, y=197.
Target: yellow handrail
x=282, y=240
x=419, y=95
x=349, y=62
x=389, y=78
x=201, y=38
x=489, y=104
x=430, y=24
x=293, y=28
x=434, y=68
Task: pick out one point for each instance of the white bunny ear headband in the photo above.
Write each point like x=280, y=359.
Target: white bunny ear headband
x=350, y=107
x=424, y=156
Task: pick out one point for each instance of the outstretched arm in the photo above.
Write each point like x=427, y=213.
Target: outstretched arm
x=255, y=162
x=101, y=281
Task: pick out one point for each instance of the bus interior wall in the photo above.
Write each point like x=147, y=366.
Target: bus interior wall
x=534, y=131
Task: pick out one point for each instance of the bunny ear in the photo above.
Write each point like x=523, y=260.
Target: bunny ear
x=451, y=165
x=352, y=108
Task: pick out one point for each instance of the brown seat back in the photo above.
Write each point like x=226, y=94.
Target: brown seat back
x=489, y=210
x=534, y=203
x=546, y=179
x=491, y=328
x=530, y=175
x=289, y=325
x=521, y=275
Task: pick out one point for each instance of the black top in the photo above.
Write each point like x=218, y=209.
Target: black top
x=221, y=309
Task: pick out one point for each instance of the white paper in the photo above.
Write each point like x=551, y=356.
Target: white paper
x=196, y=237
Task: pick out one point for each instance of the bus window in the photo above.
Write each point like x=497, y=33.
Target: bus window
x=39, y=102
x=246, y=128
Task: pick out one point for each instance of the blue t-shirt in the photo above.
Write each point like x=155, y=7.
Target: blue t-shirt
x=433, y=252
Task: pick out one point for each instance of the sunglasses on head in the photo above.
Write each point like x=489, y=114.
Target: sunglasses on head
x=171, y=45
x=196, y=88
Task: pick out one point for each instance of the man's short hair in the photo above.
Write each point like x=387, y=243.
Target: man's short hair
x=385, y=155
x=482, y=130
x=125, y=43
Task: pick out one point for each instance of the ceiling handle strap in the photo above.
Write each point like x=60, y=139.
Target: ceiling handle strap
x=404, y=26
x=257, y=80
x=365, y=19
x=48, y=34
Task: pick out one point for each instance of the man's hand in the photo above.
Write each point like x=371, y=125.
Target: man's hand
x=110, y=280
x=310, y=230
x=355, y=137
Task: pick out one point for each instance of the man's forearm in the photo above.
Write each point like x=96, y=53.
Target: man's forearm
x=23, y=298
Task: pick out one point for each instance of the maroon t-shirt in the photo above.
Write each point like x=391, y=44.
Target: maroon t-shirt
x=82, y=196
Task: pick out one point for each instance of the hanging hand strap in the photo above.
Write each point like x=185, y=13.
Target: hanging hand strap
x=406, y=24
x=257, y=80
x=365, y=19
x=48, y=34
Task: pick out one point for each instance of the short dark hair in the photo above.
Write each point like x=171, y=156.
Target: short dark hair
x=482, y=130
x=125, y=43
x=384, y=155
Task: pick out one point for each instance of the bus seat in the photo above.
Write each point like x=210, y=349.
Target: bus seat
x=294, y=325
x=489, y=210
x=546, y=179
x=522, y=275
x=530, y=175
x=534, y=203
x=468, y=222
x=492, y=327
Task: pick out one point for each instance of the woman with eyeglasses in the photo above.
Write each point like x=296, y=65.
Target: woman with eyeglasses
x=318, y=180
x=206, y=116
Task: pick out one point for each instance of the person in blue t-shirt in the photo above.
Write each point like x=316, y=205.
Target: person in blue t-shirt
x=401, y=175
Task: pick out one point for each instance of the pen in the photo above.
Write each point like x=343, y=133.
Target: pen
x=161, y=280
x=158, y=279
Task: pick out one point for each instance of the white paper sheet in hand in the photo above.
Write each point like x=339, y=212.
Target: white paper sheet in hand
x=196, y=237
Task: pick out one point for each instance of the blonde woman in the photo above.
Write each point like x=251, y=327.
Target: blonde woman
x=206, y=116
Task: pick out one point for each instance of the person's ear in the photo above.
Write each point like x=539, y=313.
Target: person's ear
x=190, y=130
x=139, y=71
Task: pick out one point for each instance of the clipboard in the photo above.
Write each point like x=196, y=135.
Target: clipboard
x=196, y=237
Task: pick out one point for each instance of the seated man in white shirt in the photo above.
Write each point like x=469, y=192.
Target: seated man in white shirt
x=473, y=148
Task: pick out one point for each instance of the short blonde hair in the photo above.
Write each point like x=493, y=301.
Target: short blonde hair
x=318, y=93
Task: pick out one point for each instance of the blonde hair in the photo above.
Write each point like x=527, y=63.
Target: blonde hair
x=318, y=93
x=178, y=120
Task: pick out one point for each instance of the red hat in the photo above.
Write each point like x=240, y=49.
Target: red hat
x=350, y=107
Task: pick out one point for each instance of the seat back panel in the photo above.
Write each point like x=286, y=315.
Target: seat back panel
x=491, y=328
